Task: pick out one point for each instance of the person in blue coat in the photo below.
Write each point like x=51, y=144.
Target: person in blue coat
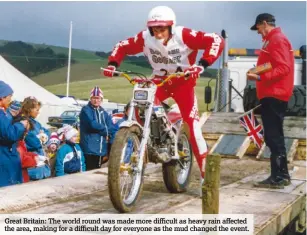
x=97, y=131
x=38, y=135
x=70, y=158
x=10, y=164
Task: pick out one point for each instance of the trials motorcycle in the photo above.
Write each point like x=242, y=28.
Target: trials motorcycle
x=152, y=133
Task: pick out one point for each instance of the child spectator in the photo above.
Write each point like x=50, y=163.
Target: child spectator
x=52, y=148
x=28, y=159
x=70, y=158
x=14, y=109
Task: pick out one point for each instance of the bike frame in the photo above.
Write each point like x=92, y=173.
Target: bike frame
x=148, y=102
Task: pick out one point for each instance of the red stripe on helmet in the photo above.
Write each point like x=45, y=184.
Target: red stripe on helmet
x=154, y=23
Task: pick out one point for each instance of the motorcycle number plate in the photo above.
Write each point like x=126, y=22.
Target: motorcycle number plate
x=141, y=95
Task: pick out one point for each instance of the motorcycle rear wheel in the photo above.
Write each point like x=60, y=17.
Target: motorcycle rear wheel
x=177, y=173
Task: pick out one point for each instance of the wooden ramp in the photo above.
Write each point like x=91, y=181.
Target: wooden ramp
x=225, y=136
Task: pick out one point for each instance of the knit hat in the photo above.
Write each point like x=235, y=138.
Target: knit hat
x=5, y=89
x=54, y=139
x=70, y=133
x=15, y=106
x=96, y=91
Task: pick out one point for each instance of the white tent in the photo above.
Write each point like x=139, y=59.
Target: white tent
x=24, y=87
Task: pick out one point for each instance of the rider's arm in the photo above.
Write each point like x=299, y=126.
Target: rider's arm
x=212, y=43
x=131, y=46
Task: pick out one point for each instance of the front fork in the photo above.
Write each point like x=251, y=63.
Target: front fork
x=145, y=133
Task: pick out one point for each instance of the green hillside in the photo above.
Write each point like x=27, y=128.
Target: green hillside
x=87, y=66
x=82, y=72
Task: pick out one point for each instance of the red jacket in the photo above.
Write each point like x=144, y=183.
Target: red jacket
x=27, y=160
x=279, y=81
x=180, y=51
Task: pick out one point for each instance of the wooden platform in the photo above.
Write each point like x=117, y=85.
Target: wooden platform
x=273, y=209
x=88, y=193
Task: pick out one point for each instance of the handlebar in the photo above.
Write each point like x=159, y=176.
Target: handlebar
x=171, y=76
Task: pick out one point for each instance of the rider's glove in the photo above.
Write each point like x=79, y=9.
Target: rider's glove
x=110, y=71
x=193, y=72
x=203, y=63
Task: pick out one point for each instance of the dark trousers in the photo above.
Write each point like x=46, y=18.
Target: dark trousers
x=93, y=161
x=272, y=115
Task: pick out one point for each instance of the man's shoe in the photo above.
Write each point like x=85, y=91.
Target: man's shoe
x=286, y=182
x=270, y=183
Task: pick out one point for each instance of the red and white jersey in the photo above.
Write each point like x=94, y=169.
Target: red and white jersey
x=178, y=54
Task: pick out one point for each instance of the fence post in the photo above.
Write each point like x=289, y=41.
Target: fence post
x=211, y=185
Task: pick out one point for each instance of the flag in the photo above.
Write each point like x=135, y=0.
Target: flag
x=253, y=128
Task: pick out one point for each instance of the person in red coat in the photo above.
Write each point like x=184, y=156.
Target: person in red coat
x=28, y=159
x=274, y=89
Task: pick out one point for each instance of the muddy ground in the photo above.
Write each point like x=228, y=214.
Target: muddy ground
x=232, y=170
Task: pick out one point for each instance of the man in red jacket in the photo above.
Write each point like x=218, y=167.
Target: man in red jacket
x=169, y=49
x=274, y=89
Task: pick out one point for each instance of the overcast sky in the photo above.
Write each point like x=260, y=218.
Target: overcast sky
x=99, y=25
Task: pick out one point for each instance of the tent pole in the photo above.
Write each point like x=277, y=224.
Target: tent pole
x=69, y=59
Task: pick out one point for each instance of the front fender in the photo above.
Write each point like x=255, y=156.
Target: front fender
x=129, y=124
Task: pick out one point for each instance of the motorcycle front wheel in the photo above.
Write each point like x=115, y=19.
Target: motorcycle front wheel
x=125, y=180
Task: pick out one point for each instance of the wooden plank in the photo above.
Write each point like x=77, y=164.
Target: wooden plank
x=211, y=136
x=300, y=153
x=302, y=142
x=263, y=147
x=272, y=210
x=228, y=123
x=292, y=151
x=243, y=147
x=230, y=145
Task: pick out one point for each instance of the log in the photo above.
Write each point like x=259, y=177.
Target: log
x=211, y=185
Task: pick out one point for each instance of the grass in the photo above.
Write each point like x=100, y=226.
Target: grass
x=119, y=90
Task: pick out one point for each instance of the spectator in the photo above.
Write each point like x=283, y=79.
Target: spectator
x=13, y=110
x=70, y=158
x=10, y=164
x=36, y=138
x=97, y=131
x=125, y=118
x=61, y=131
x=28, y=159
x=52, y=148
x=39, y=135
x=274, y=89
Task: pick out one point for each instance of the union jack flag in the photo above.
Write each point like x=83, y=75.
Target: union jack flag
x=253, y=128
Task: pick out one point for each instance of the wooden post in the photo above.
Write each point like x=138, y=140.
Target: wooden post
x=211, y=185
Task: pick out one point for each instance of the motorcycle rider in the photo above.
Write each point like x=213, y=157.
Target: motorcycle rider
x=169, y=49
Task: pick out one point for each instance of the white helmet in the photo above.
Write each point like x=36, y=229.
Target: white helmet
x=161, y=16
